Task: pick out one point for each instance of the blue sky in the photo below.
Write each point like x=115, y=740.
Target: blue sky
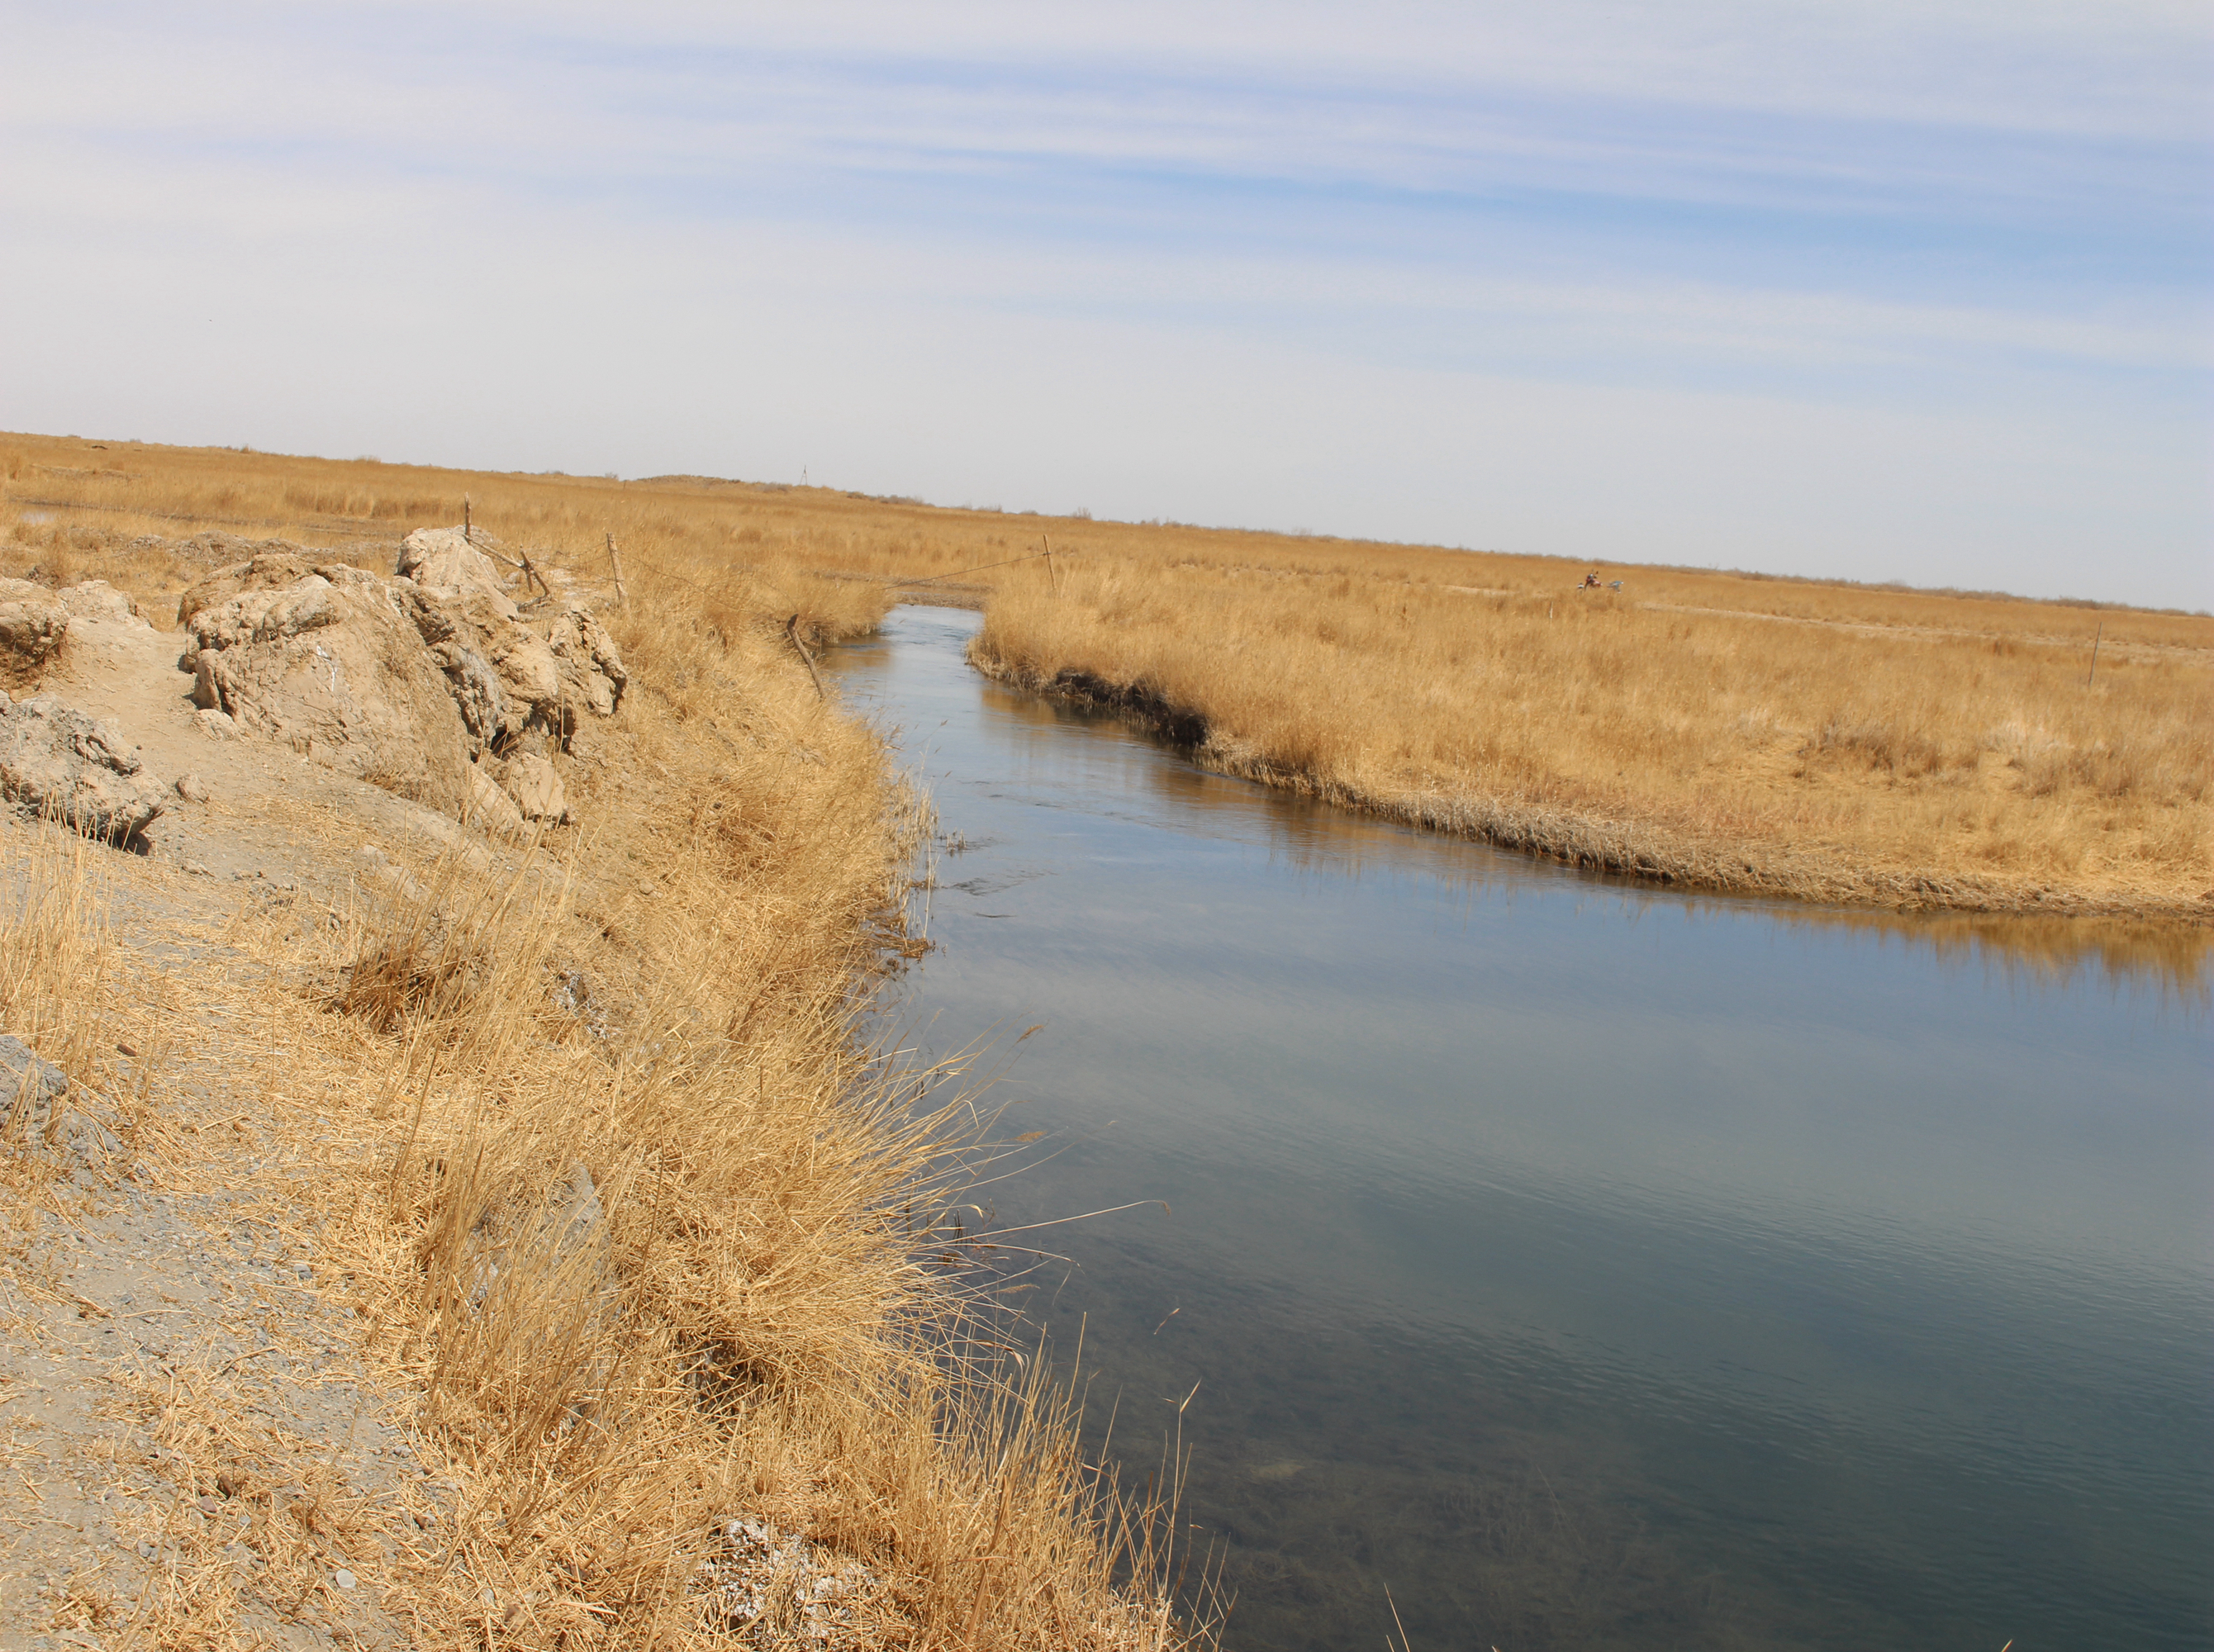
x=1887, y=292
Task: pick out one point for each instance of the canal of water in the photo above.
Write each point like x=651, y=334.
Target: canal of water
x=1591, y=1266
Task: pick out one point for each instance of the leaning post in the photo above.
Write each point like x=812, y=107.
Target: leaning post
x=614, y=562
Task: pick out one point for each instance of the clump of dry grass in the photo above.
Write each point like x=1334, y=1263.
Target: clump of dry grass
x=57, y=993
x=747, y=1321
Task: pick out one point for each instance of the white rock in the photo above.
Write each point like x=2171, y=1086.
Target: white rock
x=96, y=599
x=494, y=808
x=54, y=760
x=326, y=663
x=440, y=558
x=536, y=788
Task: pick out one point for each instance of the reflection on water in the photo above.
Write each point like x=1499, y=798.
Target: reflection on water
x=2058, y=950
x=2052, y=950
x=1595, y=1267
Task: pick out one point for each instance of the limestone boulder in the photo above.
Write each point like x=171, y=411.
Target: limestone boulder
x=32, y=623
x=97, y=600
x=590, y=664
x=503, y=676
x=272, y=570
x=329, y=663
x=442, y=559
x=58, y=762
x=425, y=683
x=536, y=787
x=491, y=805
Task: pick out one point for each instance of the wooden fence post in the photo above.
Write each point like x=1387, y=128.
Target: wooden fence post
x=531, y=571
x=615, y=561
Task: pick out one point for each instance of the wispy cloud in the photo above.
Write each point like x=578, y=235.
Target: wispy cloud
x=1988, y=216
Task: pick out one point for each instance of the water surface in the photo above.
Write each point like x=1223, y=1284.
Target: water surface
x=1593, y=1266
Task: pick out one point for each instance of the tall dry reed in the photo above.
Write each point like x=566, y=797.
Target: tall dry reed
x=1725, y=749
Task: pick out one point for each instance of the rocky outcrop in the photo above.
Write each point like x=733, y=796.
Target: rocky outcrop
x=325, y=660
x=56, y=762
x=427, y=682
x=507, y=676
x=32, y=623
x=590, y=665
x=272, y=570
x=501, y=674
x=96, y=599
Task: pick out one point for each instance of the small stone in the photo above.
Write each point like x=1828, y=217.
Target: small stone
x=343, y=1579
x=191, y=788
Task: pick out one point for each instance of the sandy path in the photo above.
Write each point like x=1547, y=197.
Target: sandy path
x=187, y=1437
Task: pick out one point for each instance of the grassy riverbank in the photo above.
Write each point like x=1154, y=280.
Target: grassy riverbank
x=1859, y=744
x=1800, y=754
x=775, y=1326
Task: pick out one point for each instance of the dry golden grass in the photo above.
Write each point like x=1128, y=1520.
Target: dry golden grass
x=780, y=1317
x=1727, y=750
x=1854, y=743
x=68, y=521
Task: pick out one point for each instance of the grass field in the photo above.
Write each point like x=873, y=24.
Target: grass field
x=1841, y=742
